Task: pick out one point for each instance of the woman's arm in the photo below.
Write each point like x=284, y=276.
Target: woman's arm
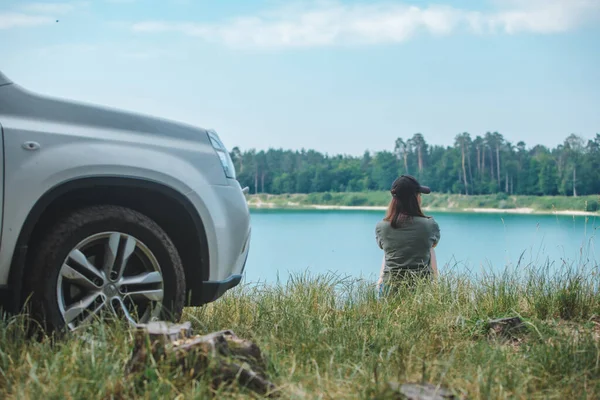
x=433, y=263
x=436, y=240
x=380, y=281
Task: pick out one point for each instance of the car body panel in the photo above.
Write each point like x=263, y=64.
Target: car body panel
x=2, y=185
x=229, y=226
x=3, y=79
x=49, y=142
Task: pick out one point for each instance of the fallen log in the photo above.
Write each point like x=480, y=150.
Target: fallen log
x=223, y=356
x=505, y=327
x=421, y=391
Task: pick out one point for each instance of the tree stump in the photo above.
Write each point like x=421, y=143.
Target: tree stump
x=505, y=327
x=222, y=355
x=421, y=391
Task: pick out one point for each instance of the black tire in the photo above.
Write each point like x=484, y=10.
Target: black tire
x=58, y=241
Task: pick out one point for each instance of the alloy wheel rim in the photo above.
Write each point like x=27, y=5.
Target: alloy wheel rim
x=110, y=272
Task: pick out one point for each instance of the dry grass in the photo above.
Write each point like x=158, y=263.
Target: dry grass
x=332, y=338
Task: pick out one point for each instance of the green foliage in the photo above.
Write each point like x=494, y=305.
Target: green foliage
x=434, y=201
x=327, y=336
x=592, y=205
x=484, y=165
x=501, y=196
x=356, y=200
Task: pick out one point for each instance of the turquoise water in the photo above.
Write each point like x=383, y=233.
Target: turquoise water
x=343, y=242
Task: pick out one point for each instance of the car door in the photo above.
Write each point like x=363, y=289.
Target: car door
x=3, y=82
x=1, y=180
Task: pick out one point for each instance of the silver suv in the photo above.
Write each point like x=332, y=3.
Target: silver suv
x=105, y=210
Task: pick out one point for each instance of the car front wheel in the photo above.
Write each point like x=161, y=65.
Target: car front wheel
x=105, y=260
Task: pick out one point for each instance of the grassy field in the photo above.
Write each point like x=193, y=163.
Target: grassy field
x=327, y=337
x=435, y=201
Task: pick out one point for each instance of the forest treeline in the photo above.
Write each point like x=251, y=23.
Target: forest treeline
x=482, y=165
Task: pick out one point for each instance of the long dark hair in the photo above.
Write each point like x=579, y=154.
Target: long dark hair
x=402, y=208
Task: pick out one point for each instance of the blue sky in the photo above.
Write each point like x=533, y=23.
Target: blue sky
x=337, y=76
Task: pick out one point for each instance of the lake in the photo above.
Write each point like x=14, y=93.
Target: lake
x=343, y=242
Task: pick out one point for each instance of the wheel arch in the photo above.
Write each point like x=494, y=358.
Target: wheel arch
x=174, y=213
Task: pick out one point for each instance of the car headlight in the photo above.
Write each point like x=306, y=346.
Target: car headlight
x=223, y=154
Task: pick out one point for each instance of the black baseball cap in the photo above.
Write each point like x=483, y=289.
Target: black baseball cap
x=406, y=185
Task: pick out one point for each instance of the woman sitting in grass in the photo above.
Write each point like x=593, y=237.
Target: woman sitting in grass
x=407, y=237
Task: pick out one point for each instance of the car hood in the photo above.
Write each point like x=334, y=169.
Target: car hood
x=19, y=102
x=3, y=79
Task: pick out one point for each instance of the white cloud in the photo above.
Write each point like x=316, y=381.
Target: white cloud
x=37, y=14
x=52, y=8
x=543, y=16
x=334, y=23
x=18, y=20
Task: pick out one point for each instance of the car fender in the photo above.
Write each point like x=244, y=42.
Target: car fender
x=29, y=182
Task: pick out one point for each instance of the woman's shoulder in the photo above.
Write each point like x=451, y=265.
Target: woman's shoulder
x=433, y=224
x=383, y=222
x=429, y=220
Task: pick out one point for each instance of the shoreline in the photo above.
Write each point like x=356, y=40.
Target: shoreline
x=523, y=210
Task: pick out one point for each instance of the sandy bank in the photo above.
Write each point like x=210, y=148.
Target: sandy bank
x=522, y=210
x=527, y=210
x=321, y=207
